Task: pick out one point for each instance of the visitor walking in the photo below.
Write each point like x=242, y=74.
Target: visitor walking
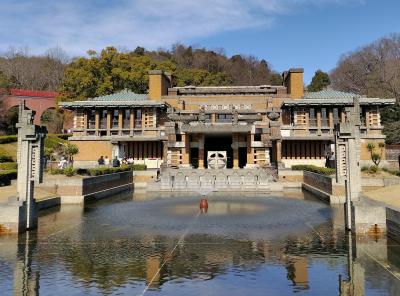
x=116, y=163
x=327, y=160
x=399, y=161
x=101, y=160
x=63, y=163
x=332, y=159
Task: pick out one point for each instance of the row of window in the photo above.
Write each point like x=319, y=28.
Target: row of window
x=298, y=116
x=126, y=117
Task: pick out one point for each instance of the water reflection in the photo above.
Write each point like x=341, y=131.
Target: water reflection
x=128, y=247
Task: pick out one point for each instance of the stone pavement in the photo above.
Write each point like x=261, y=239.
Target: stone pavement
x=389, y=195
x=8, y=191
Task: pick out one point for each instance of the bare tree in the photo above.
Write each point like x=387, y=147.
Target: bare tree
x=373, y=70
x=43, y=72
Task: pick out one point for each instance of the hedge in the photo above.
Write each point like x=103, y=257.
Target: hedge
x=314, y=169
x=14, y=138
x=8, y=166
x=98, y=171
x=5, y=158
x=8, y=139
x=104, y=170
x=391, y=171
x=7, y=176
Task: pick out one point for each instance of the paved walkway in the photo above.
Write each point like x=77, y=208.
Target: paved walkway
x=389, y=195
x=8, y=191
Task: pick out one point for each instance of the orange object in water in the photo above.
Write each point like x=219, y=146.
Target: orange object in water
x=203, y=204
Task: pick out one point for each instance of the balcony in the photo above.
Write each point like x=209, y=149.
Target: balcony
x=216, y=128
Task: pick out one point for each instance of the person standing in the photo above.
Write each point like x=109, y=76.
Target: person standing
x=101, y=160
x=106, y=160
x=116, y=163
x=332, y=159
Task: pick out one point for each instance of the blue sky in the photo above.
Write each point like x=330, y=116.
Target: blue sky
x=312, y=34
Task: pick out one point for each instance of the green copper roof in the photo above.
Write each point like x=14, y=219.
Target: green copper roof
x=330, y=94
x=124, y=95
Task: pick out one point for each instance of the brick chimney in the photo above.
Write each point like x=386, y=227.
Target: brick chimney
x=159, y=82
x=293, y=80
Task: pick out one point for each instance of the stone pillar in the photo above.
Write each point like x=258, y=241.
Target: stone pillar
x=108, y=121
x=278, y=151
x=235, y=147
x=97, y=121
x=347, y=146
x=131, y=122
x=20, y=214
x=185, y=150
x=213, y=118
x=85, y=122
x=120, y=122
x=201, y=151
x=331, y=125
x=250, y=150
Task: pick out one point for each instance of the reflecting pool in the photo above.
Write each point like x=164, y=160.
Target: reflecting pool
x=163, y=245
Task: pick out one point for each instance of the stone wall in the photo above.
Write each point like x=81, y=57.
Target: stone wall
x=290, y=176
x=324, y=183
x=77, y=188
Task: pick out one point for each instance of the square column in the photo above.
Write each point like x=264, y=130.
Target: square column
x=235, y=147
x=185, y=150
x=250, y=150
x=201, y=151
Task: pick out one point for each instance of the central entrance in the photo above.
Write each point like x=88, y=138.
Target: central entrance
x=219, y=143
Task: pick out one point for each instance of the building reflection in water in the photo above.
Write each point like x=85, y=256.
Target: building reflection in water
x=26, y=280
x=154, y=259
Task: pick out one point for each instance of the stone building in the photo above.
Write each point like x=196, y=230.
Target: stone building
x=219, y=127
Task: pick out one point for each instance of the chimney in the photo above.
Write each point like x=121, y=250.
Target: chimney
x=159, y=82
x=293, y=80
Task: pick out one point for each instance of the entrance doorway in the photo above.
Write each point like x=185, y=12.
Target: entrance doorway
x=242, y=157
x=219, y=143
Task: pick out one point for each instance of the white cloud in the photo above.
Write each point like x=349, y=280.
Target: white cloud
x=79, y=25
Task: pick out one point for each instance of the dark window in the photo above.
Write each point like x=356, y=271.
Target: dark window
x=114, y=121
x=127, y=118
x=336, y=115
x=138, y=118
x=103, y=119
x=324, y=118
x=311, y=118
x=224, y=117
x=92, y=119
x=178, y=137
x=257, y=135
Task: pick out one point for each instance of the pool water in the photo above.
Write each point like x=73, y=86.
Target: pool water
x=164, y=245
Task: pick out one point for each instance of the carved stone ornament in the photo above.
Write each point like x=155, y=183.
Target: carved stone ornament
x=273, y=115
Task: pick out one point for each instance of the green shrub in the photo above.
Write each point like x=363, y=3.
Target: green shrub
x=69, y=171
x=138, y=167
x=8, y=139
x=373, y=169
x=7, y=176
x=55, y=171
x=5, y=158
x=391, y=171
x=60, y=136
x=8, y=166
x=365, y=168
x=314, y=169
x=104, y=170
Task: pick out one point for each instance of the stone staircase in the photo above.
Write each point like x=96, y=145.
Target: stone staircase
x=198, y=180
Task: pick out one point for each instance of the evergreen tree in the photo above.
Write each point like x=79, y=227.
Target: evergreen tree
x=319, y=82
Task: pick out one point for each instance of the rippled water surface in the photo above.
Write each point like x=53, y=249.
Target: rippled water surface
x=243, y=245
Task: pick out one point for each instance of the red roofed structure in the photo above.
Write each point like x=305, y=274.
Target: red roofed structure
x=36, y=100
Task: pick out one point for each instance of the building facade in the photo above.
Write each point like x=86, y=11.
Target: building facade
x=219, y=127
